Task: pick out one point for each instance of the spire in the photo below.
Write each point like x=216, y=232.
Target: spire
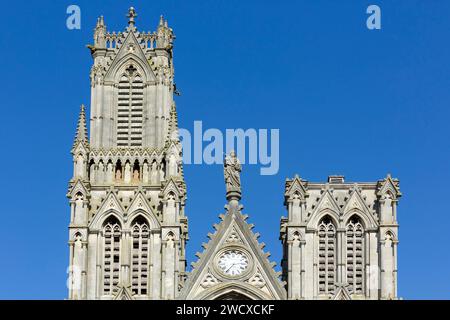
x=100, y=34
x=131, y=16
x=81, y=135
x=173, y=124
x=165, y=34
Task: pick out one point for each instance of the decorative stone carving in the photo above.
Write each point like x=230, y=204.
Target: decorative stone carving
x=257, y=280
x=234, y=237
x=232, y=173
x=209, y=281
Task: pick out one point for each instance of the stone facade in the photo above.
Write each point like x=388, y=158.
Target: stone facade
x=127, y=195
x=128, y=229
x=340, y=239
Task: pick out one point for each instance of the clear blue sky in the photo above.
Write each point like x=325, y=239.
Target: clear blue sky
x=346, y=100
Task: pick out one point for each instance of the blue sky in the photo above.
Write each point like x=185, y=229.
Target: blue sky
x=346, y=100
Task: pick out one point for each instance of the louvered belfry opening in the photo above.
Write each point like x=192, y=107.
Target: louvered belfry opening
x=140, y=257
x=130, y=108
x=355, y=256
x=327, y=256
x=111, y=256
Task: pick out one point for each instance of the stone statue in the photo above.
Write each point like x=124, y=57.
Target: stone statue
x=232, y=170
x=161, y=172
x=136, y=175
x=172, y=165
x=118, y=174
x=154, y=173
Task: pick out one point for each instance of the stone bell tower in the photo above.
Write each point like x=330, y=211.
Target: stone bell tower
x=128, y=228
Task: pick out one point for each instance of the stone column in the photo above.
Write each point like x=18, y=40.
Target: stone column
x=170, y=246
x=156, y=269
x=125, y=248
x=340, y=255
x=99, y=270
x=295, y=264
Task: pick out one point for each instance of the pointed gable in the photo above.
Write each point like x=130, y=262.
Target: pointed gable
x=325, y=203
x=140, y=205
x=139, y=202
x=357, y=203
x=175, y=186
x=110, y=204
x=124, y=293
x=389, y=185
x=341, y=293
x=296, y=186
x=78, y=187
x=207, y=280
x=130, y=51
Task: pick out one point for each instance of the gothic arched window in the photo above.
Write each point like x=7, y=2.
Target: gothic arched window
x=327, y=256
x=140, y=256
x=111, y=256
x=355, y=255
x=130, y=108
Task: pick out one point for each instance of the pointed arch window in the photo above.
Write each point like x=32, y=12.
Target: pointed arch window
x=112, y=233
x=130, y=108
x=327, y=256
x=140, y=257
x=355, y=255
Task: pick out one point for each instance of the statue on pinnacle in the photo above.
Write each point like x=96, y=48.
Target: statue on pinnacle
x=232, y=170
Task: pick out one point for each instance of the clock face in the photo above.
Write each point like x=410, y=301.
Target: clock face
x=233, y=262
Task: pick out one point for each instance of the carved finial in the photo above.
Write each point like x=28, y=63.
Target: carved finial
x=131, y=16
x=232, y=172
x=99, y=34
x=161, y=20
x=100, y=22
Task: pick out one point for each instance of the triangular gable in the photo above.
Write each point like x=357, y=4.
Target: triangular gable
x=172, y=185
x=124, y=293
x=206, y=280
x=296, y=186
x=130, y=49
x=341, y=293
x=80, y=147
x=356, y=202
x=327, y=202
x=140, y=204
x=111, y=203
x=173, y=147
x=76, y=188
x=389, y=185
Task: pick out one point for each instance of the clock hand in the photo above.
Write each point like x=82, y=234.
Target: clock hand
x=229, y=267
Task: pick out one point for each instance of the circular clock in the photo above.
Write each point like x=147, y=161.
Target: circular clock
x=233, y=262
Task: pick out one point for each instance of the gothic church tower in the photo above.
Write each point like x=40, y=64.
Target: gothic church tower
x=340, y=239
x=128, y=229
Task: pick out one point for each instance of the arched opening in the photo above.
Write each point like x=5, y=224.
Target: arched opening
x=327, y=255
x=130, y=108
x=112, y=234
x=118, y=173
x=355, y=255
x=92, y=171
x=140, y=256
x=233, y=295
x=136, y=171
x=162, y=170
x=101, y=172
